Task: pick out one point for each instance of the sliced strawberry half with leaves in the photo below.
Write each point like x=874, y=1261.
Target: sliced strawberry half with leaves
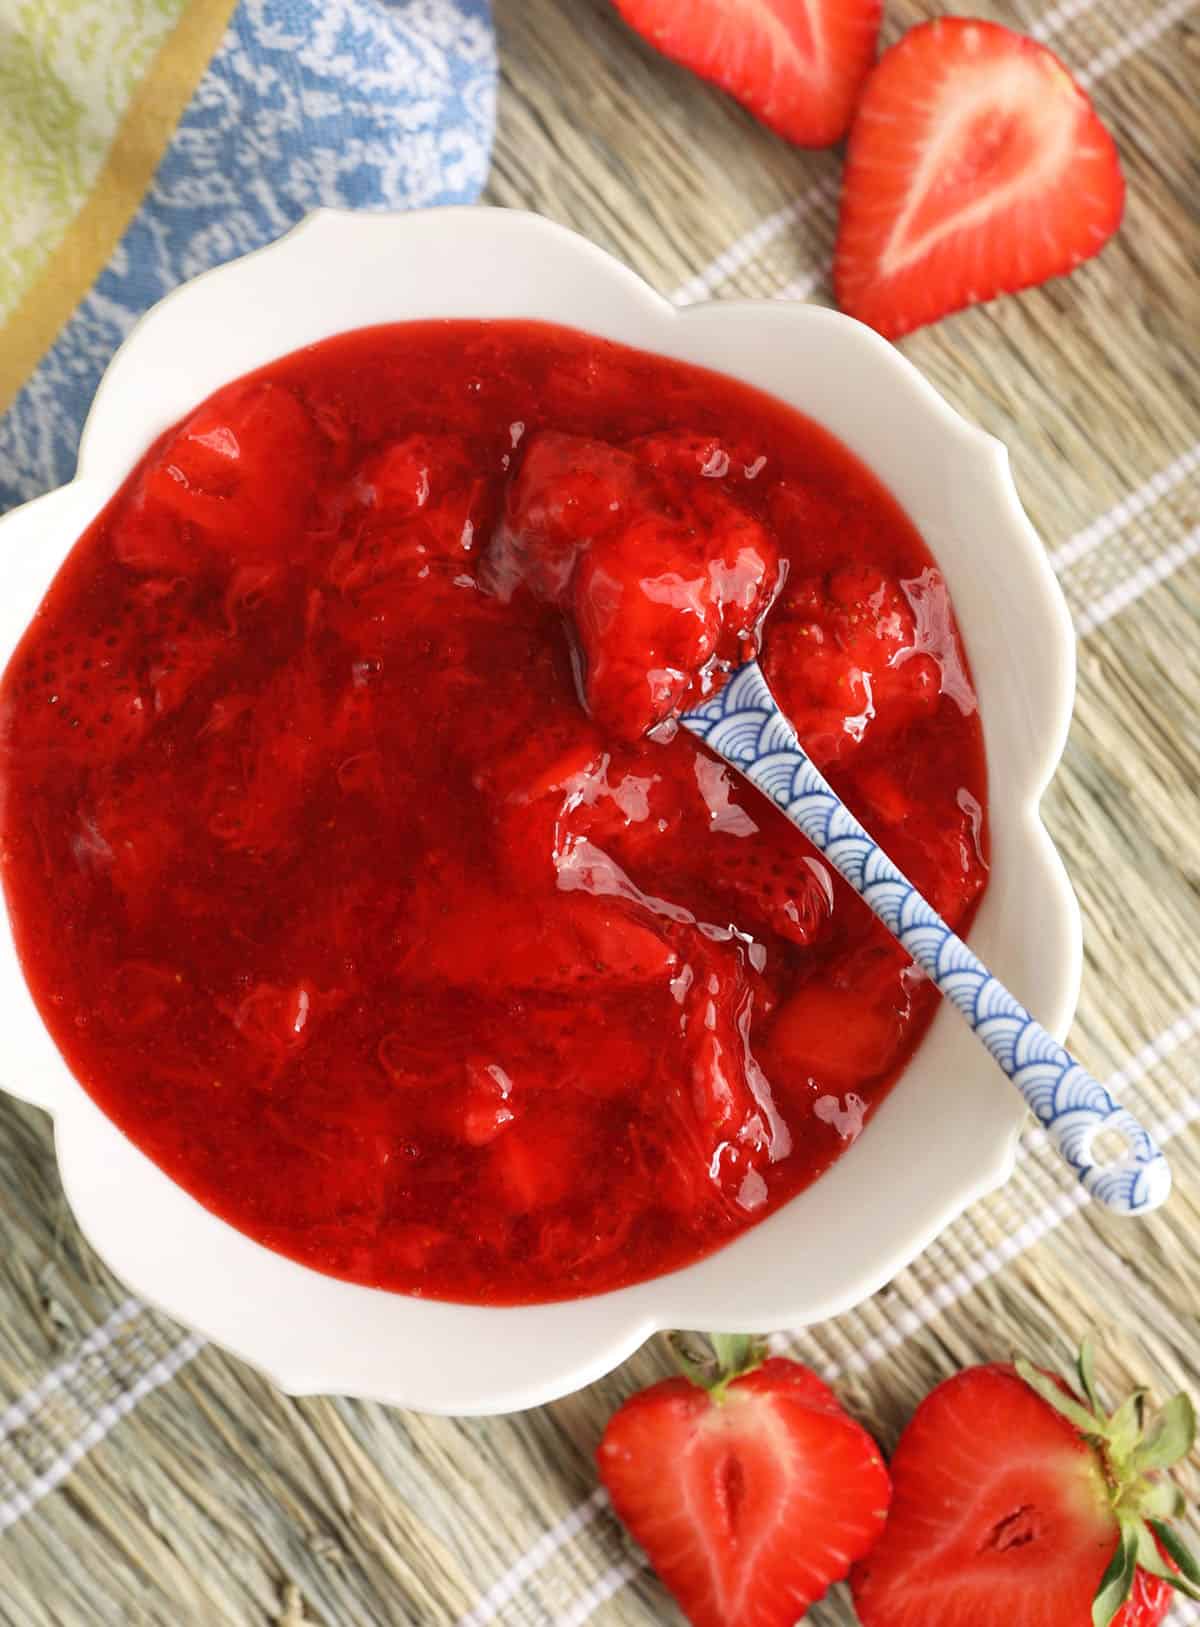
x=976, y=167
x=745, y=1482
x=1018, y=1503
x=798, y=65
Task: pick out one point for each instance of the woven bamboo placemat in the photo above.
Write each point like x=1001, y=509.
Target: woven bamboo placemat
x=145, y=1479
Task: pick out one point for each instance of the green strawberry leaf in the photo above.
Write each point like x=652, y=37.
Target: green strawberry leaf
x=1086, y=1422
x=714, y=1364
x=1125, y=1431
x=1158, y=1500
x=1086, y=1367
x=1178, y=1551
x=1170, y=1437
x=1117, y=1582
x=1149, y=1559
x=693, y=1360
x=734, y=1351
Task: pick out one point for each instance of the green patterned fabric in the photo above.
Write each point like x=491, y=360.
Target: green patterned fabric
x=68, y=69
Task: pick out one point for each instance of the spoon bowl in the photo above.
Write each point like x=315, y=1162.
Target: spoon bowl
x=744, y=725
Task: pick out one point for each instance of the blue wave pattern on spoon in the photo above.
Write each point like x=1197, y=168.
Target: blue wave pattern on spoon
x=744, y=725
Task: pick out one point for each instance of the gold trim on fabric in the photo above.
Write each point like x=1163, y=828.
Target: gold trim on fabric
x=141, y=138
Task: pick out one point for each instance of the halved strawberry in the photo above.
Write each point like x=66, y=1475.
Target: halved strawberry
x=750, y=1497
x=1018, y=1504
x=797, y=65
x=976, y=167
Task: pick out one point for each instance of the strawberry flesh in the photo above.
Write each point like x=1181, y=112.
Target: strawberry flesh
x=750, y=1507
x=1000, y=1514
x=976, y=166
x=797, y=67
x=660, y=586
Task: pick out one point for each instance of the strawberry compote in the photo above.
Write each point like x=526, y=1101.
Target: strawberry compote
x=344, y=871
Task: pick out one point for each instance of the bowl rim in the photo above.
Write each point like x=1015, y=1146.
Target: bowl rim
x=646, y=1307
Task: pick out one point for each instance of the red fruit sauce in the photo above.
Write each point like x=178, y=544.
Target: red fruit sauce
x=341, y=906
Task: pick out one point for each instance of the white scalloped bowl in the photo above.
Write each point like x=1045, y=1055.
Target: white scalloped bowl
x=948, y=1131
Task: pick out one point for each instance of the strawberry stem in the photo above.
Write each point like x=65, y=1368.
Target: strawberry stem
x=713, y=1361
x=1133, y=1455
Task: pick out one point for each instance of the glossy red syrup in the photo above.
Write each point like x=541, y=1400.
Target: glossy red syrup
x=341, y=905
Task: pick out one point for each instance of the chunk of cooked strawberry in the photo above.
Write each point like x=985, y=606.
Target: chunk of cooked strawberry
x=729, y=1130
x=488, y=1108
x=473, y=1109
x=656, y=606
x=556, y=944
x=646, y=623
x=412, y=473
x=149, y=537
x=843, y=656
x=239, y=473
x=683, y=454
x=89, y=692
x=265, y=764
x=568, y=493
x=564, y=752
x=941, y=846
x=657, y=581
x=541, y=1159
x=177, y=662
x=798, y=68
x=976, y=166
x=275, y=1018
x=946, y=861
x=130, y=834
x=750, y=1501
x=769, y=885
x=420, y=507
x=659, y=600
x=834, y=1035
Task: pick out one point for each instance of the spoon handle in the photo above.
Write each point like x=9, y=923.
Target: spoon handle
x=744, y=725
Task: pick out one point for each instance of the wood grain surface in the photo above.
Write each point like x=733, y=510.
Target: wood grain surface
x=145, y=1479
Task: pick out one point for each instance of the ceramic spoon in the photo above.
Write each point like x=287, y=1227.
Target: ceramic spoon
x=744, y=725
